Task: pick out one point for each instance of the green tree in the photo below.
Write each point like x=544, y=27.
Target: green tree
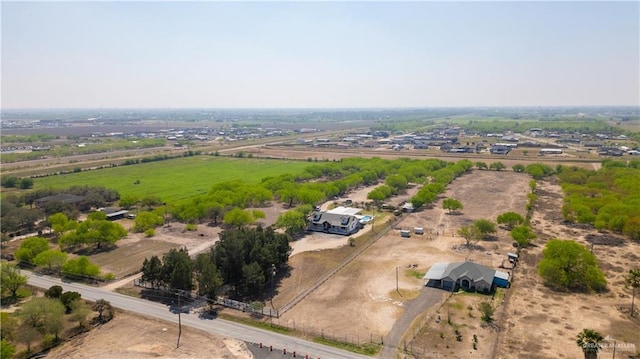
x=539, y=170
x=481, y=165
x=11, y=279
x=254, y=277
x=522, y=235
x=633, y=280
x=43, y=313
x=104, y=309
x=471, y=234
x=67, y=298
x=27, y=334
x=207, y=277
x=128, y=201
x=9, y=182
x=398, y=182
x=510, y=219
x=485, y=227
x=26, y=183
x=567, y=264
x=293, y=222
x=79, y=312
x=589, y=341
x=52, y=259
x=177, y=269
x=30, y=248
x=237, y=218
x=60, y=223
x=632, y=228
x=80, y=267
x=147, y=220
x=152, y=271
x=54, y=318
x=6, y=349
x=452, y=205
x=309, y=196
x=518, y=168
x=54, y=292
x=379, y=194
x=9, y=326
x=498, y=166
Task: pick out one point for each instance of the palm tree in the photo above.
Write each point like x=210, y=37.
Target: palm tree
x=589, y=340
x=633, y=280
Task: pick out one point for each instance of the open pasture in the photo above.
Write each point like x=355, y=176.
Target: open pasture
x=174, y=180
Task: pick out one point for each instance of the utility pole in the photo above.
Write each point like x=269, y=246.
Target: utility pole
x=397, y=287
x=273, y=275
x=179, y=321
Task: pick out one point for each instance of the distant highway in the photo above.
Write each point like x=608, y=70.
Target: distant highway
x=215, y=326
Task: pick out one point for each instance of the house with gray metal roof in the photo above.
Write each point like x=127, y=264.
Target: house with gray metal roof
x=336, y=223
x=465, y=275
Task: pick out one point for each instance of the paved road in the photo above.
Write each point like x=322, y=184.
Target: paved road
x=216, y=326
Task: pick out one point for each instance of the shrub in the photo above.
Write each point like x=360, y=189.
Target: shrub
x=80, y=267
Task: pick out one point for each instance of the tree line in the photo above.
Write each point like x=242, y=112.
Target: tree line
x=41, y=320
x=244, y=260
x=607, y=199
x=18, y=214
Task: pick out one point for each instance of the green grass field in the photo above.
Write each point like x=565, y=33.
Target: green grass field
x=175, y=180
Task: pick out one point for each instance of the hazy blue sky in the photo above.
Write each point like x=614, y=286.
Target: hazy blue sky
x=321, y=54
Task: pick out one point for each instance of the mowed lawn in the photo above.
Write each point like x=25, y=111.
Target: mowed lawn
x=175, y=180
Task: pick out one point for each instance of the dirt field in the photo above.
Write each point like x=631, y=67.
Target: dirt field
x=136, y=337
x=127, y=258
x=361, y=300
x=541, y=323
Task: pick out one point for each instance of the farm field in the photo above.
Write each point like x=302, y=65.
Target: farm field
x=174, y=180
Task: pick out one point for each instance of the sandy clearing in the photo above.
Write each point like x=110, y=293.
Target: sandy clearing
x=135, y=337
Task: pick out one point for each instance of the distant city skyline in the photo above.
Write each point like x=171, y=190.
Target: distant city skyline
x=319, y=54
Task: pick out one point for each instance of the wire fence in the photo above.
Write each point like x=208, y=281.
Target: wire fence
x=428, y=316
x=192, y=301
x=346, y=261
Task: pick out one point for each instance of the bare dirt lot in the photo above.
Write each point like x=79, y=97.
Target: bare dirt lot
x=361, y=300
x=127, y=258
x=541, y=323
x=136, y=337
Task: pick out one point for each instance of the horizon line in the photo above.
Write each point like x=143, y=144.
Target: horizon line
x=316, y=108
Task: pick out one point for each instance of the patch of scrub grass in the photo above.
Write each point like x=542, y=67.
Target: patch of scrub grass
x=498, y=296
x=258, y=324
x=414, y=273
x=131, y=292
x=405, y=294
x=366, y=349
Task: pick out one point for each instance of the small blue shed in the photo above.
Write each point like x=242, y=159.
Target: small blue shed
x=501, y=279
